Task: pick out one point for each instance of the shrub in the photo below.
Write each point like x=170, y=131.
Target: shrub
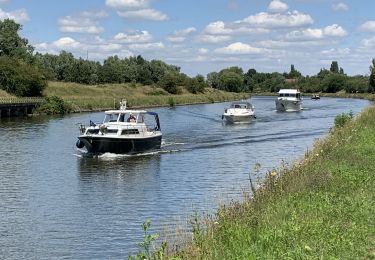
x=20, y=79
x=342, y=119
x=169, y=83
x=54, y=105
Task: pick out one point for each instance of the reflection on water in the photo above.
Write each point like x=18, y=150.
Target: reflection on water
x=57, y=202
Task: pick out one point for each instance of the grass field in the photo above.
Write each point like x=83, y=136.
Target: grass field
x=83, y=97
x=322, y=207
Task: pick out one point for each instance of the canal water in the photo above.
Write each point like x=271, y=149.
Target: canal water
x=55, y=202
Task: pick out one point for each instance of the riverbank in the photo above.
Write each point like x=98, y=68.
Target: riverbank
x=107, y=96
x=320, y=207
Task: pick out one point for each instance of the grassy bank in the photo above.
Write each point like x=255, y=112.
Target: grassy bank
x=322, y=207
x=83, y=97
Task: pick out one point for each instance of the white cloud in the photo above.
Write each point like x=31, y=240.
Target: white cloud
x=143, y=47
x=134, y=37
x=86, y=22
x=316, y=34
x=238, y=48
x=278, y=20
x=336, y=52
x=180, y=36
x=340, y=7
x=368, y=26
x=144, y=14
x=66, y=43
x=20, y=15
x=276, y=6
x=213, y=38
x=240, y=28
x=334, y=30
x=202, y=50
x=126, y=4
x=217, y=27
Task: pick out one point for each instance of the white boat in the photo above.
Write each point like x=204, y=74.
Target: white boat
x=122, y=131
x=289, y=100
x=239, y=112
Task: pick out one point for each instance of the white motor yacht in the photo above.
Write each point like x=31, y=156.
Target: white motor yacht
x=122, y=131
x=239, y=112
x=289, y=100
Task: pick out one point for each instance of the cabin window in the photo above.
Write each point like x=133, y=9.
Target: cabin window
x=111, y=118
x=130, y=132
x=111, y=131
x=93, y=131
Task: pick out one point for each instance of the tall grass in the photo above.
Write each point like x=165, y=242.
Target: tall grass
x=83, y=97
x=322, y=207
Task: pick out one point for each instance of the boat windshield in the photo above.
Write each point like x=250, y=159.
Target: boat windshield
x=241, y=105
x=111, y=118
x=298, y=95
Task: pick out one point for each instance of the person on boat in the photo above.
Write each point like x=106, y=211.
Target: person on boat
x=131, y=118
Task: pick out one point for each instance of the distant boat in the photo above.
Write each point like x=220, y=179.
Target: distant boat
x=289, y=100
x=315, y=97
x=122, y=131
x=239, y=112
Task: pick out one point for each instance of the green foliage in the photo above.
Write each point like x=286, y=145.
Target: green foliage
x=371, y=84
x=54, y=105
x=11, y=44
x=213, y=79
x=169, y=83
x=19, y=78
x=231, y=80
x=333, y=83
x=334, y=67
x=196, y=85
x=146, y=252
x=342, y=119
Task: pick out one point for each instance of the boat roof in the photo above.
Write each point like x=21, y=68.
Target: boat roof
x=240, y=103
x=287, y=90
x=109, y=112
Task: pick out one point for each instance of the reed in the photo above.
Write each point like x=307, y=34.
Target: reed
x=321, y=207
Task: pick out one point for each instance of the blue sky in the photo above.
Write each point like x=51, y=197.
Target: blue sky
x=203, y=36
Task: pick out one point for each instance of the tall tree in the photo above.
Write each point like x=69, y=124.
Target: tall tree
x=371, y=85
x=11, y=44
x=334, y=67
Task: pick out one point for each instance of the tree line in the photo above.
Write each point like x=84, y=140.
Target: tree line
x=25, y=73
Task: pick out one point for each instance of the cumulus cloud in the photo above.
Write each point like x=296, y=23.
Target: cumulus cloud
x=20, y=15
x=213, y=38
x=220, y=28
x=144, y=14
x=180, y=36
x=136, y=9
x=276, y=6
x=238, y=48
x=126, y=4
x=144, y=47
x=316, y=34
x=368, y=26
x=134, y=37
x=340, y=7
x=279, y=20
x=85, y=22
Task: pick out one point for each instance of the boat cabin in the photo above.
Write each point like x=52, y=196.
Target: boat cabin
x=242, y=105
x=293, y=93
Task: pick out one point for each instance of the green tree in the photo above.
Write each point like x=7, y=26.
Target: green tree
x=334, y=67
x=333, y=83
x=293, y=74
x=371, y=85
x=213, y=79
x=231, y=81
x=11, y=44
x=169, y=83
x=20, y=78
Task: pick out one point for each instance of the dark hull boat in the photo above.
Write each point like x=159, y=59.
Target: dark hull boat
x=97, y=144
x=122, y=132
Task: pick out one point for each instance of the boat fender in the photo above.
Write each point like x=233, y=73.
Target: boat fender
x=80, y=144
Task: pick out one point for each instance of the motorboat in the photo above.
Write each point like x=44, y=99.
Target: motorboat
x=239, y=112
x=122, y=131
x=289, y=100
x=315, y=97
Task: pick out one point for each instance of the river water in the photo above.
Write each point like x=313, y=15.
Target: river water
x=55, y=202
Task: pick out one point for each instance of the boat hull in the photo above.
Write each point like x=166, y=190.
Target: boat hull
x=288, y=105
x=238, y=119
x=98, y=144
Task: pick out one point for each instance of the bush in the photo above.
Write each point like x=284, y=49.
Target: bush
x=20, y=79
x=342, y=119
x=169, y=83
x=54, y=105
